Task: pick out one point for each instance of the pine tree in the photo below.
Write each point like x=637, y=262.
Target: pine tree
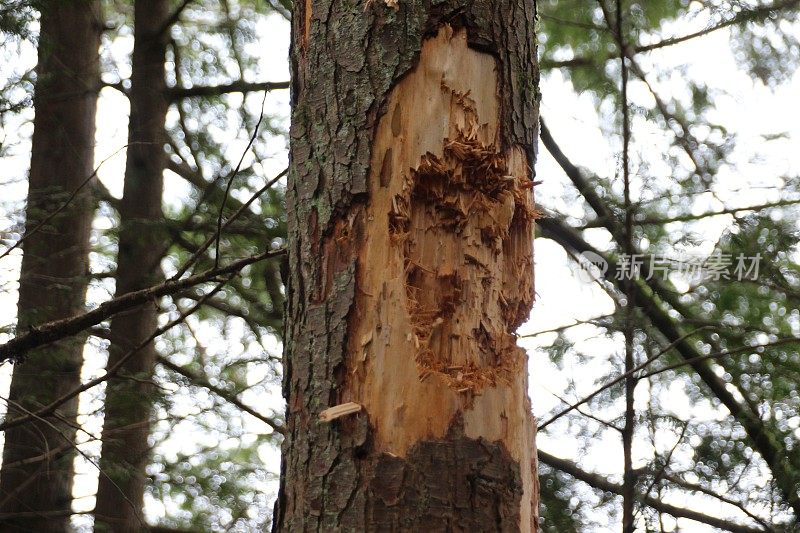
x=36, y=477
x=410, y=260
x=129, y=393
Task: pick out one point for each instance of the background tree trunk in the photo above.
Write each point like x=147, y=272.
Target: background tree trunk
x=129, y=396
x=410, y=254
x=53, y=276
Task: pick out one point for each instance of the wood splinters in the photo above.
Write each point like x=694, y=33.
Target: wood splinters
x=366, y=338
x=338, y=411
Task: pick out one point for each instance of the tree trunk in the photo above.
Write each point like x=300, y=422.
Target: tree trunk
x=53, y=276
x=410, y=218
x=129, y=395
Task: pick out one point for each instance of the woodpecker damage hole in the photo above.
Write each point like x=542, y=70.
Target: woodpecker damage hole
x=459, y=220
x=445, y=274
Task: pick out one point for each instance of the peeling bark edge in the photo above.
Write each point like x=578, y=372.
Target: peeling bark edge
x=345, y=61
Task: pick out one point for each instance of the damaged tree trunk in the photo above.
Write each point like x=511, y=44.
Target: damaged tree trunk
x=410, y=258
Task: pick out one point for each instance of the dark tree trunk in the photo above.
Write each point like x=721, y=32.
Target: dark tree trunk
x=410, y=218
x=129, y=395
x=53, y=276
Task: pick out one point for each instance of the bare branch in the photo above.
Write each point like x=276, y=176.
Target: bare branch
x=111, y=371
x=195, y=256
x=226, y=395
x=656, y=221
x=601, y=482
x=749, y=15
x=47, y=333
x=720, y=355
x=699, y=488
x=596, y=321
x=240, y=86
x=233, y=177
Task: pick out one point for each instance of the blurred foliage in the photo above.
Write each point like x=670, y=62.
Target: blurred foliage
x=15, y=18
x=713, y=454
x=213, y=489
x=559, y=508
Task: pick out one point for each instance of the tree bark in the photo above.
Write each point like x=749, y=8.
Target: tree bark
x=410, y=218
x=129, y=395
x=54, y=272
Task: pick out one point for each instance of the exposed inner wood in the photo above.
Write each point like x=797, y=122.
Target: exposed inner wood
x=338, y=411
x=307, y=13
x=456, y=220
x=445, y=276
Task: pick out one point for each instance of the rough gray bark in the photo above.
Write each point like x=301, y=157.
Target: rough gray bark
x=129, y=395
x=53, y=276
x=346, y=58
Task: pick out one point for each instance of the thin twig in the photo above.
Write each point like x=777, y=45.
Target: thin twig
x=226, y=395
x=628, y=429
x=50, y=332
x=655, y=221
x=742, y=16
x=196, y=255
x=719, y=355
x=66, y=203
x=233, y=176
x=111, y=371
x=591, y=321
x=616, y=380
x=658, y=475
x=597, y=419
